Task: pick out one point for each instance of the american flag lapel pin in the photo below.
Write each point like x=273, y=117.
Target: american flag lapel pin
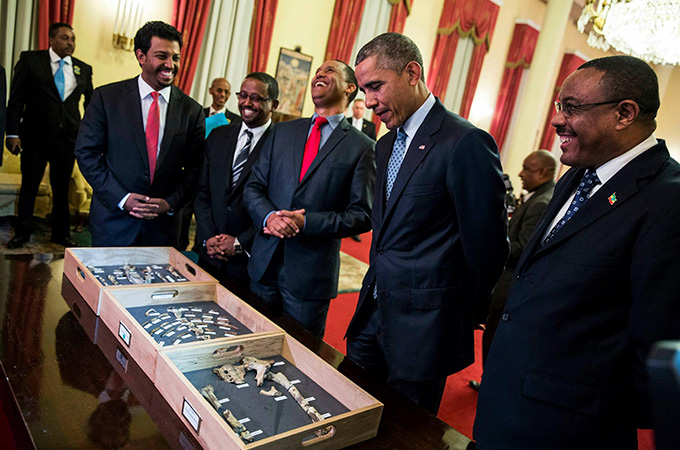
x=422, y=147
x=612, y=198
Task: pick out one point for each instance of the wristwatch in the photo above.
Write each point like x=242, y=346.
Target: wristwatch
x=237, y=246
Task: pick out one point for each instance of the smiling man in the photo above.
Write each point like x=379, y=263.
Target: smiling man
x=225, y=231
x=43, y=116
x=311, y=187
x=439, y=230
x=220, y=91
x=140, y=147
x=598, y=282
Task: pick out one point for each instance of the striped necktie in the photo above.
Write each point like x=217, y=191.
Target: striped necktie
x=241, y=159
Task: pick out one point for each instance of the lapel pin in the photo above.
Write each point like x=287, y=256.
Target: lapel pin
x=76, y=70
x=612, y=198
x=422, y=147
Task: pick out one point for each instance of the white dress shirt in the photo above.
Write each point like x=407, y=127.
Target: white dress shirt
x=358, y=123
x=242, y=138
x=70, y=82
x=414, y=122
x=214, y=111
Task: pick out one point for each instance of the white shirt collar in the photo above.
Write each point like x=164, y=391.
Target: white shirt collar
x=257, y=131
x=56, y=58
x=607, y=170
x=217, y=111
x=417, y=118
x=145, y=90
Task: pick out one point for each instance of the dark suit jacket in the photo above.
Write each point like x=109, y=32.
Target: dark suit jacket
x=111, y=152
x=438, y=247
x=368, y=128
x=218, y=208
x=336, y=193
x=567, y=364
x=35, y=111
x=3, y=105
x=523, y=222
x=234, y=119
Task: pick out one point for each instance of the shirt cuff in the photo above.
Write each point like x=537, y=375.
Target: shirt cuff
x=121, y=203
x=264, y=224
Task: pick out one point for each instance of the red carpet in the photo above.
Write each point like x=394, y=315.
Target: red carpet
x=460, y=401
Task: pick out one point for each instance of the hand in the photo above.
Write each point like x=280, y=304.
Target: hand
x=220, y=246
x=285, y=224
x=13, y=145
x=138, y=206
x=163, y=206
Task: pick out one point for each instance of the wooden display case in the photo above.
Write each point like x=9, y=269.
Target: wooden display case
x=120, y=306
x=178, y=370
x=77, y=260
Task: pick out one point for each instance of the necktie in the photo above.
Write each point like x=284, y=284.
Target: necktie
x=59, y=79
x=241, y=160
x=312, y=145
x=397, y=157
x=153, y=122
x=588, y=182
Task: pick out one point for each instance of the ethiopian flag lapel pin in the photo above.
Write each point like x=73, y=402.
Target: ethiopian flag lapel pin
x=612, y=198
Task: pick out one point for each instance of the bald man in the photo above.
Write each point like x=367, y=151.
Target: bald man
x=220, y=89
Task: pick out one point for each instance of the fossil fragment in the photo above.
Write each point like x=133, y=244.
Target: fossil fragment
x=272, y=392
x=281, y=379
x=113, y=280
x=237, y=426
x=176, y=311
x=151, y=312
x=173, y=271
x=260, y=366
x=209, y=393
x=231, y=373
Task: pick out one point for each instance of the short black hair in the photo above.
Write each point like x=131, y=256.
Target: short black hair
x=158, y=29
x=628, y=78
x=269, y=81
x=54, y=28
x=351, y=78
x=393, y=51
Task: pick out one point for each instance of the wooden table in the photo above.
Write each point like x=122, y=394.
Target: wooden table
x=63, y=391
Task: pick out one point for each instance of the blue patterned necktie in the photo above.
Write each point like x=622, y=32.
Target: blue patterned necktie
x=588, y=182
x=59, y=79
x=241, y=159
x=394, y=164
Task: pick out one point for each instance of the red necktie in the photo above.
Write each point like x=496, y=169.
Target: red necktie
x=312, y=145
x=153, y=122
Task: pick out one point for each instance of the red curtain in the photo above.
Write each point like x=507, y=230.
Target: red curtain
x=570, y=62
x=190, y=18
x=400, y=11
x=461, y=18
x=344, y=28
x=521, y=52
x=261, y=34
x=49, y=12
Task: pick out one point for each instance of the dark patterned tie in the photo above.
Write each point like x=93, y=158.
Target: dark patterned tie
x=241, y=160
x=588, y=182
x=394, y=164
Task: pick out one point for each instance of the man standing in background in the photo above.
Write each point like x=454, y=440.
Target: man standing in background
x=43, y=116
x=220, y=89
x=140, y=147
x=358, y=122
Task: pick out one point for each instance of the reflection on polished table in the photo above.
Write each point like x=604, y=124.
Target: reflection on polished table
x=74, y=394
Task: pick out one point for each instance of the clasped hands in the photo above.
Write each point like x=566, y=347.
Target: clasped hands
x=145, y=207
x=285, y=224
x=220, y=246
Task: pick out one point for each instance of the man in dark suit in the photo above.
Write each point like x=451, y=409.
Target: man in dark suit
x=140, y=147
x=225, y=231
x=358, y=122
x=538, y=174
x=598, y=281
x=220, y=89
x=311, y=186
x=439, y=230
x=42, y=124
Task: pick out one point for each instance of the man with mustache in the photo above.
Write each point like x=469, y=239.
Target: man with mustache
x=597, y=283
x=224, y=230
x=140, y=147
x=43, y=115
x=311, y=187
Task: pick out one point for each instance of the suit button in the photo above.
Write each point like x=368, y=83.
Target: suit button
x=517, y=277
x=380, y=250
x=228, y=208
x=506, y=317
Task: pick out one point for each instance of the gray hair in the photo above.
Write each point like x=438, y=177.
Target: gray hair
x=393, y=51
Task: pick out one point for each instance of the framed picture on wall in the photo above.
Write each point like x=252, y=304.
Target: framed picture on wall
x=292, y=74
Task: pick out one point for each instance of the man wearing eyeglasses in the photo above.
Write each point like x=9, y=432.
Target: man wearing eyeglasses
x=311, y=187
x=225, y=232
x=598, y=281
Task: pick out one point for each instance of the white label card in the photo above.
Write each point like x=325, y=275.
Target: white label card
x=223, y=401
x=278, y=399
x=245, y=420
x=124, y=333
x=279, y=363
x=122, y=360
x=326, y=416
x=310, y=399
x=294, y=381
x=256, y=432
x=191, y=415
x=241, y=386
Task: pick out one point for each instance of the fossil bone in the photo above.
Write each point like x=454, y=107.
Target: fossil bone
x=151, y=312
x=260, y=366
x=281, y=379
x=176, y=311
x=231, y=373
x=209, y=393
x=237, y=426
x=272, y=392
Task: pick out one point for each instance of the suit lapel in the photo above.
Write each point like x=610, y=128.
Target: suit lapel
x=333, y=140
x=297, y=141
x=133, y=107
x=382, y=156
x=79, y=76
x=173, y=120
x=46, y=69
x=251, y=158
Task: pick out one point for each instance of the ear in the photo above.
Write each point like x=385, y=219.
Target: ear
x=275, y=104
x=626, y=113
x=141, y=57
x=351, y=87
x=414, y=71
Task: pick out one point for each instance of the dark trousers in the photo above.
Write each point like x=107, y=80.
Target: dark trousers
x=61, y=157
x=310, y=313
x=492, y=321
x=365, y=349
